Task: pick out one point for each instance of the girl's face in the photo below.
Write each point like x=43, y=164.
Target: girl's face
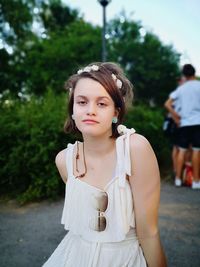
x=93, y=108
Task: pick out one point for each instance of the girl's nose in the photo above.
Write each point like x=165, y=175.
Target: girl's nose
x=91, y=109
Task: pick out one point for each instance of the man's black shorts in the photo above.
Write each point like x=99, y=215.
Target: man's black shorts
x=175, y=137
x=189, y=135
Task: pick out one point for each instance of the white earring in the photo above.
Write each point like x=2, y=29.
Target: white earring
x=73, y=118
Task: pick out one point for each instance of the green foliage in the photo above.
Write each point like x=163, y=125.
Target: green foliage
x=34, y=57
x=51, y=61
x=56, y=16
x=150, y=65
x=31, y=136
x=15, y=19
x=148, y=122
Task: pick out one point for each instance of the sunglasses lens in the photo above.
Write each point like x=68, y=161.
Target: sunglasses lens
x=101, y=224
x=101, y=204
x=102, y=201
x=98, y=224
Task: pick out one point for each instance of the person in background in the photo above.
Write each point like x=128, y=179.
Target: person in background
x=188, y=119
x=173, y=133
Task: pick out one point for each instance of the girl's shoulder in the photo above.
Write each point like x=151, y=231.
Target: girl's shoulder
x=63, y=160
x=133, y=139
x=138, y=141
x=141, y=150
x=60, y=157
x=60, y=162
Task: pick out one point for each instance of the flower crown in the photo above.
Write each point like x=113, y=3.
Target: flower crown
x=88, y=69
x=117, y=81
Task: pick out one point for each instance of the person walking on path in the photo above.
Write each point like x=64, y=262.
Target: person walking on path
x=172, y=132
x=188, y=97
x=112, y=179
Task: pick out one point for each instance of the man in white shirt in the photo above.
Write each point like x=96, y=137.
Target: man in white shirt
x=188, y=119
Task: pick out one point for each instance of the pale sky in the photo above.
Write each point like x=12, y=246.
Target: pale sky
x=174, y=22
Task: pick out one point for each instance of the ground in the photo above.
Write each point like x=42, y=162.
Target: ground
x=29, y=234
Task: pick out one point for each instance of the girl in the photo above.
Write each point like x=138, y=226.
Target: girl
x=112, y=179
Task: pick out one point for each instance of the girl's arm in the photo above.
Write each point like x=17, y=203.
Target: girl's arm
x=169, y=106
x=145, y=184
x=61, y=165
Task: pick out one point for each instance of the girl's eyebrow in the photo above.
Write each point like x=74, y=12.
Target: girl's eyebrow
x=81, y=96
x=99, y=97
x=103, y=97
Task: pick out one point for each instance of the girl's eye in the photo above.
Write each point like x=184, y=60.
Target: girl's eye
x=101, y=104
x=81, y=102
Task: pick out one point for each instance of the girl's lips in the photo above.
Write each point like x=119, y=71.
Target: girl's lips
x=90, y=121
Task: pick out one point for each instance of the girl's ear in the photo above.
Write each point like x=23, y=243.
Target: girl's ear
x=117, y=110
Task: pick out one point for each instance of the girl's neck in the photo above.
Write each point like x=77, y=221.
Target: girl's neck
x=98, y=146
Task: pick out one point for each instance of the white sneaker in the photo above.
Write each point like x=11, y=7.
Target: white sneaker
x=178, y=182
x=195, y=185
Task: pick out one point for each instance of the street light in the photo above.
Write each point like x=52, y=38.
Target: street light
x=104, y=3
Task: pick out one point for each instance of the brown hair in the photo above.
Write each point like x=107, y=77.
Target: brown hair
x=121, y=97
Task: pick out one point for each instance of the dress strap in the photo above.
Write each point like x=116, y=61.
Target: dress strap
x=123, y=155
x=69, y=159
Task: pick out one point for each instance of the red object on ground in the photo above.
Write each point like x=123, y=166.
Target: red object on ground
x=187, y=174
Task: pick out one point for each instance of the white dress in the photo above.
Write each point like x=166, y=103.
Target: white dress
x=87, y=244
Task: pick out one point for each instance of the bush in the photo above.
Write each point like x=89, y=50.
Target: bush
x=148, y=122
x=31, y=136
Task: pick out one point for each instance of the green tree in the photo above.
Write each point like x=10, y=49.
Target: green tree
x=56, y=16
x=16, y=20
x=45, y=59
x=150, y=65
x=49, y=62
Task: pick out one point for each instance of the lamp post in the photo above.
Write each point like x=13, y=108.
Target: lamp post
x=104, y=3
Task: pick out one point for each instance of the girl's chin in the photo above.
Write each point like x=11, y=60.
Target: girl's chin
x=94, y=132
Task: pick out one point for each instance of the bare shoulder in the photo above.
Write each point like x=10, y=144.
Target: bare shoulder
x=143, y=159
x=60, y=157
x=60, y=161
x=142, y=151
x=139, y=143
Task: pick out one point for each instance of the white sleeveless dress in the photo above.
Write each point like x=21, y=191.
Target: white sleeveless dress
x=86, y=245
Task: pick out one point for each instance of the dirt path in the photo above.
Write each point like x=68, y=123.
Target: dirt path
x=28, y=235
x=180, y=225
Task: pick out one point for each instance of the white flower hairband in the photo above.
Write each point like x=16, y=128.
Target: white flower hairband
x=88, y=69
x=117, y=81
x=96, y=68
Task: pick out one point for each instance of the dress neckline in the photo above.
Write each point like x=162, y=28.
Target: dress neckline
x=95, y=187
x=114, y=176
